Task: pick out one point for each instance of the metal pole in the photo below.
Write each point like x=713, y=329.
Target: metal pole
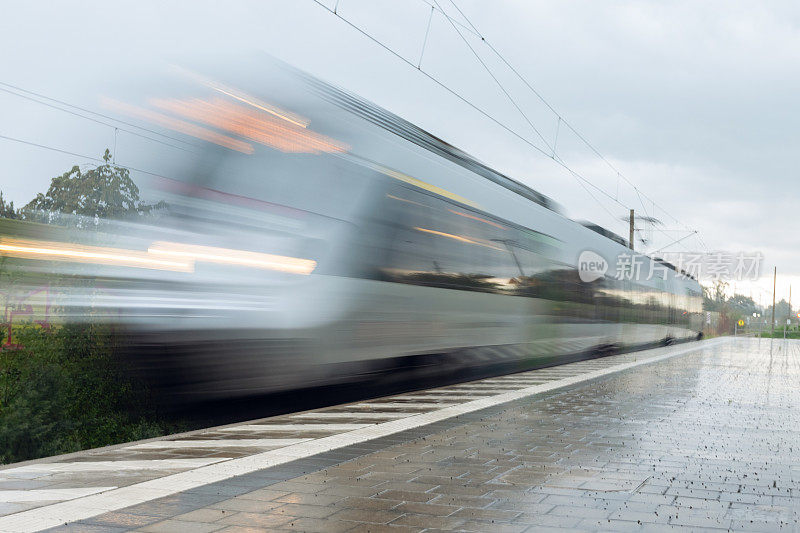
x=760, y=325
x=772, y=325
x=774, y=280
x=630, y=232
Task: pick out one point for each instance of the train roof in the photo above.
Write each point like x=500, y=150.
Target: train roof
x=413, y=133
x=603, y=231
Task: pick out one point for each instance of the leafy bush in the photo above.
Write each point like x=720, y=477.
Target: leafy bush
x=66, y=391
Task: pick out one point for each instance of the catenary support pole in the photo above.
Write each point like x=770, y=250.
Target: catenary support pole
x=630, y=232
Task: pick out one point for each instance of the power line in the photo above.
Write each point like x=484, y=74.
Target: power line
x=500, y=85
x=640, y=195
x=51, y=148
x=461, y=24
x=470, y=104
x=474, y=30
x=37, y=98
x=511, y=99
x=83, y=156
x=543, y=100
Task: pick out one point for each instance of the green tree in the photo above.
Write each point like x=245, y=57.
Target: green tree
x=743, y=305
x=104, y=192
x=782, y=312
x=7, y=208
x=714, y=298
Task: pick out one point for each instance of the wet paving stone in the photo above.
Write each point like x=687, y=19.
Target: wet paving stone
x=707, y=441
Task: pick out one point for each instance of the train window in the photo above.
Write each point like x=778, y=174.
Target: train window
x=437, y=243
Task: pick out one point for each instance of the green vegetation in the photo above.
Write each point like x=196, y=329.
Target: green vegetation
x=777, y=333
x=64, y=387
x=66, y=390
x=729, y=310
x=104, y=192
x=7, y=208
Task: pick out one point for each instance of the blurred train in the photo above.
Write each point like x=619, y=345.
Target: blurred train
x=301, y=235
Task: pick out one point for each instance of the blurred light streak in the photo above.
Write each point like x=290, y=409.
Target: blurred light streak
x=260, y=105
x=393, y=197
x=251, y=124
x=479, y=219
x=178, y=125
x=459, y=238
x=60, y=251
x=423, y=185
x=243, y=97
x=234, y=257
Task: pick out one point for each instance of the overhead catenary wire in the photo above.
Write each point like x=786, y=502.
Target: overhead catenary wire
x=425, y=40
x=51, y=148
x=554, y=156
x=472, y=105
x=82, y=156
x=497, y=81
x=538, y=95
x=480, y=110
x=474, y=31
x=639, y=193
x=82, y=112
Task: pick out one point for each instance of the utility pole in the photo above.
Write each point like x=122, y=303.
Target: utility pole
x=630, y=232
x=774, y=279
x=772, y=326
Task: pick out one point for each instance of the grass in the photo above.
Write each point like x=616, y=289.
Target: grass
x=777, y=334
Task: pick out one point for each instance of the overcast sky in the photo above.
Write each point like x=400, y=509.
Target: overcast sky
x=695, y=102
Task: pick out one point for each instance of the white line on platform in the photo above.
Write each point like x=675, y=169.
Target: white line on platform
x=366, y=415
x=81, y=508
x=449, y=393
x=216, y=443
x=516, y=382
x=511, y=379
x=409, y=405
x=298, y=427
x=42, y=495
x=499, y=389
x=446, y=397
x=110, y=466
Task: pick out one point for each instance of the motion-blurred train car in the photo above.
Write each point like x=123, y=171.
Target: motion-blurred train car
x=301, y=236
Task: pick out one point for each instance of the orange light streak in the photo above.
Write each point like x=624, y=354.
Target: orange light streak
x=178, y=125
x=272, y=110
x=459, y=238
x=251, y=124
x=479, y=219
x=243, y=97
x=393, y=197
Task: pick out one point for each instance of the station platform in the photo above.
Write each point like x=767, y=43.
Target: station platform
x=698, y=436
